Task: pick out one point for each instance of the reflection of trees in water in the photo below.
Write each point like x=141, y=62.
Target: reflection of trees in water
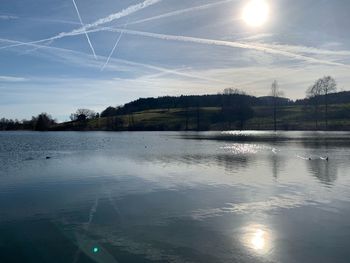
x=277, y=164
x=233, y=162
x=230, y=162
x=325, y=171
x=320, y=140
x=178, y=159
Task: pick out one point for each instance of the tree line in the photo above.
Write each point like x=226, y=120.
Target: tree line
x=42, y=122
x=236, y=108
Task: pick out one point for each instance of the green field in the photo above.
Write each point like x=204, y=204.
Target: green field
x=297, y=117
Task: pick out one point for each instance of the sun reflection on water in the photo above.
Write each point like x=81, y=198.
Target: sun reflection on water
x=257, y=238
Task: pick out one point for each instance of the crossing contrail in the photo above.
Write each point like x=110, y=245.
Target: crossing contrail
x=128, y=62
x=86, y=34
x=233, y=44
x=90, y=28
x=161, y=70
x=128, y=11
x=84, y=29
x=266, y=48
x=35, y=48
x=113, y=49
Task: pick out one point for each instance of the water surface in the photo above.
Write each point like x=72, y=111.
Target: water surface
x=174, y=197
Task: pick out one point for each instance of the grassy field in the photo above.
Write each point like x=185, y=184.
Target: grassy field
x=288, y=118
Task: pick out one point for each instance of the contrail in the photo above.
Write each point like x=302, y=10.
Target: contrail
x=86, y=34
x=182, y=11
x=115, y=46
x=35, y=48
x=271, y=49
x=132, y=9
x=128, y=62
x=161, y=74
x=61, y=21
x=125, y=12
x=240, y=45
x=113, y=49
x=128, y=11
x=174, y=72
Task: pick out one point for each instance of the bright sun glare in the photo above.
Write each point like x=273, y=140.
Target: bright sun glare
x=258, y=240
x=256, y=13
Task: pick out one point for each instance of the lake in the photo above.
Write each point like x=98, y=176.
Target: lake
x=174, y=197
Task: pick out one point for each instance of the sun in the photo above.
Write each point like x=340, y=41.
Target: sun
x=256, y=13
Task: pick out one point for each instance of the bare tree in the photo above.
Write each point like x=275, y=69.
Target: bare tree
x=82, y=115
x=231, y=91
x=314, y=93
x=323, y=87
x=329, y=86
x=275, y=93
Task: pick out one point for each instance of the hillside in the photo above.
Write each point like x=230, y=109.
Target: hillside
x=234, y=111
x=222, y=112
x=294, y=117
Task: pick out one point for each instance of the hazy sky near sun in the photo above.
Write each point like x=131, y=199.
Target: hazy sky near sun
x=168, y=47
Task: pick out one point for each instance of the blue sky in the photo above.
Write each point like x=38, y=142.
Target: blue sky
x=165, y=47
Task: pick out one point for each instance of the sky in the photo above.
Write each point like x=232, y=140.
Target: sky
x=60, y=55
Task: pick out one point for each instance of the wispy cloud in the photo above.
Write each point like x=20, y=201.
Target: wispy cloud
x=305, y=49
x=175, y=72
x=8, y=17
x=12, y=79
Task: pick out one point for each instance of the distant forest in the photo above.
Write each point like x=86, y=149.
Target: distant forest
x=323, y=109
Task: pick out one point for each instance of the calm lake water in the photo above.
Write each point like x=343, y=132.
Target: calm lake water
x=174, y=197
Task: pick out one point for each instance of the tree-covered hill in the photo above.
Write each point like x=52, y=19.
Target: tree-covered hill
x=230, y=110
x=217, y=100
